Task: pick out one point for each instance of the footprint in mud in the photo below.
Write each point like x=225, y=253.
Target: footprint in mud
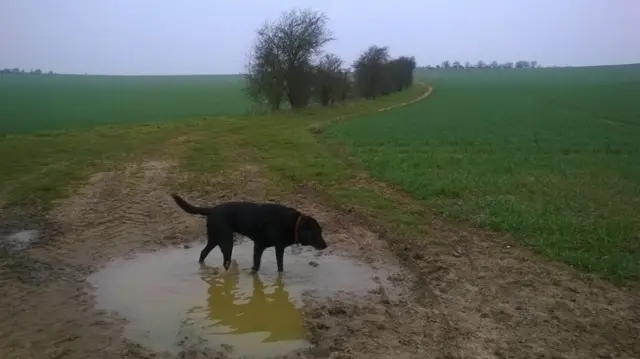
x=166, y=296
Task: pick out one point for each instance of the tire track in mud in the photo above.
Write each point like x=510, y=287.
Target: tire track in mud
x=391, y=322
x=487, y=297
x=130, y=208
x=114, y=214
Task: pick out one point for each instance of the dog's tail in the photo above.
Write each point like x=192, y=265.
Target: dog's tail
x=189, y=208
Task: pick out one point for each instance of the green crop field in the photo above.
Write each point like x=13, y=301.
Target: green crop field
x=549, y=155
x=31, y=103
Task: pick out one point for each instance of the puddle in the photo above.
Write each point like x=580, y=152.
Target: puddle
x=166, y=296
x=21, y=240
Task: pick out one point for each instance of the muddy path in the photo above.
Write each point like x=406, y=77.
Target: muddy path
x=51, y=312
x=459, y=293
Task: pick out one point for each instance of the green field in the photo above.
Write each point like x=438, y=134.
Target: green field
x=549, y=155
x=34, y=103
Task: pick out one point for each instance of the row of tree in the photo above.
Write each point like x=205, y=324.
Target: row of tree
x=287, y=63
x=522, y=64
x=16, y=71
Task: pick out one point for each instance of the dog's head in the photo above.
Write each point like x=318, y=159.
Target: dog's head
x=310, y=233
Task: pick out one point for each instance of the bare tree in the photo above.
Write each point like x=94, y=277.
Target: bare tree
x=280, y=63
x=507, y=65
x=369, y=71
x=265, y=71
x=494, y=64
x=378, y=75
x=332, y=81
x=404, y=74
x=18, y=71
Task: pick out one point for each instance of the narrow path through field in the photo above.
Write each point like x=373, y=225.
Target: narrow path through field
x=419, y=98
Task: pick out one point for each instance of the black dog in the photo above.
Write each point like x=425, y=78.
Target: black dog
x=267, y=224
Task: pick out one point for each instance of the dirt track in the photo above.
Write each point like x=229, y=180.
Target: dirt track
x=470, y=294
x=464, y=292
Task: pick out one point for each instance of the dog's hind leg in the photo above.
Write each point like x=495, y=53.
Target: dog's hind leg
x=258, y=249
x=226, y=247
x=280, y=258
x=212, y=242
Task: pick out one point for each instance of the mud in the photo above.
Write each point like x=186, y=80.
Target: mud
x=165, y=294
x=458, y=292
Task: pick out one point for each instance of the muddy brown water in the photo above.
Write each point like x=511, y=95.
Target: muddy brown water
x=22, y=239
x=167, y=297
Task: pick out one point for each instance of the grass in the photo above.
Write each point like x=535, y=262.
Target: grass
x=31, y=103
x=38, y=168
x=551, y=156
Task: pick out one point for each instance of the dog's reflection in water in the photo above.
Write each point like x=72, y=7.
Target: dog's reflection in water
x=273, y=312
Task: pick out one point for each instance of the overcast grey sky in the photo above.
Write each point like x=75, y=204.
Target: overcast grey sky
x=210, y=37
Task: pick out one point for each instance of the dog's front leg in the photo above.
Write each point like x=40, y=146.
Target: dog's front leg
x=279, y=258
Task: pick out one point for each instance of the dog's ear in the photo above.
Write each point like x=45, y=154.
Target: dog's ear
x=310, y=223
x=311, y=233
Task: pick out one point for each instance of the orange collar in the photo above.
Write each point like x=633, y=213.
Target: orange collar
x=295, y=230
